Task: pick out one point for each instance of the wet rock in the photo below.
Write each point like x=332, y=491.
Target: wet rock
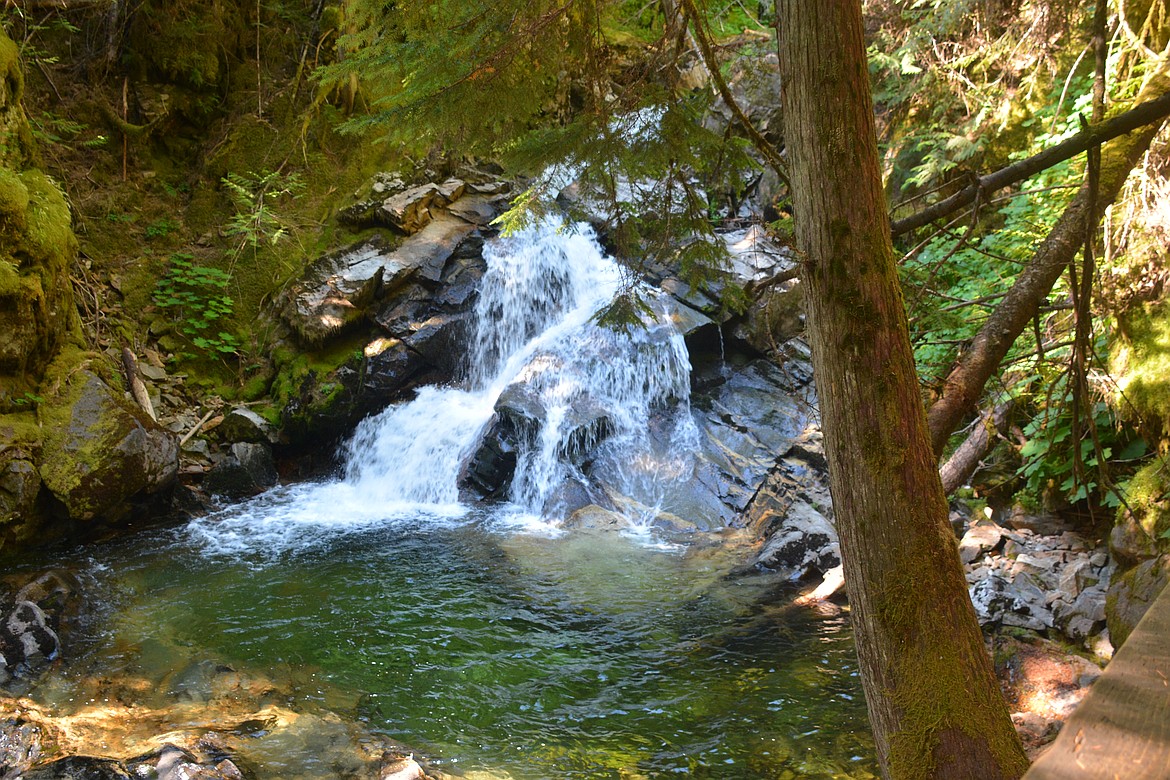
x=572, y=495
x=243, y=425
x=440, y=339
x=20, y=745
x=804, y=542
x=400, y=768
x=595, y=518
x=26, y=635
x=488, y=472
x=249, y=469
x=103, y=456
x=80, y=768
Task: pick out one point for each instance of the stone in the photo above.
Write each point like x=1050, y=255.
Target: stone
x=1018, y=602
x=980, y=538
x=27, y=638
x=409, y=210
x=337, y=289
x=1077, y=576
x=20, y=480
x=440, y=339
x=36, y=296
x=428, y=250
x=1022, y=520
x=21, y=745
x=248, y=470
x=80, y=768
x=102, y=455
x=243, y=425
x=595, y=518
x=1084, y=617
x=804, y=542
x=1131, y=594
x=401, y=768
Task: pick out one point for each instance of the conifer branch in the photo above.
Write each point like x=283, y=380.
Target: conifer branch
x=762, y=144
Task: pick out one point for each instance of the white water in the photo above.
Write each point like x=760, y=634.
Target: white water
x=533, y=325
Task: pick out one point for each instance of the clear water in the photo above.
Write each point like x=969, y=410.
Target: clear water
x=580, y=657
x=493, y=641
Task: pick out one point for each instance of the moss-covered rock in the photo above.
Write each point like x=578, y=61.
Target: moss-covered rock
x=16, y=146
x=1141, y=361
x=20, y=483
x=101, y=455
x=1143, y=524
x=1132, y=594
x=36, y=298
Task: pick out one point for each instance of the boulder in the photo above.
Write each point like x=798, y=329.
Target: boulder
x=243, y=425
x=337, y=289
x=101, y=455
x=1131, y=595
x=36, y=297
x=595, y=518
x=249, y=469
x=1018, y=601
x=1084, y=617
x=980, y=538
x=803, y=542
x=20, y=480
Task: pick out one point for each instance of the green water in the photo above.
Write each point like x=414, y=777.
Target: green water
x=572, y=657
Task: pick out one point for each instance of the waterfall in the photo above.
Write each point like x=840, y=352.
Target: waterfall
x=619, y=399
x=534, y=336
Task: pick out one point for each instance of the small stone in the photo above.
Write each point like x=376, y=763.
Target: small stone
x=1099, y=559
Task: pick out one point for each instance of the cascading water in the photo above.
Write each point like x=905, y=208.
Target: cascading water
x=535, y=336
x=535, y=330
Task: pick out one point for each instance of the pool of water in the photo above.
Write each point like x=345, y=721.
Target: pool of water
x=576, y=656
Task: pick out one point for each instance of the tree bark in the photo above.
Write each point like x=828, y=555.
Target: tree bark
x=933, y=698
x=965, y=459
x=981, y=360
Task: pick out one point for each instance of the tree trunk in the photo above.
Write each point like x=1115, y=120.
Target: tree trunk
x=933, y=699
x=981, y=360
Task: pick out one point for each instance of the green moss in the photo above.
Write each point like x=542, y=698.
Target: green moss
x=931, y=688
x=1141, y=361
x=1149, y=498
x=19, y=430
x=49, y=237
x=13, y=201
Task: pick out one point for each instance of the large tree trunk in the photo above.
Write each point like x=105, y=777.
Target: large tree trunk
x=981, y=360
x=933, y=699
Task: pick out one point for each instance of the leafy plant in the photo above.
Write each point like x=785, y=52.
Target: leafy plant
x=195, y=295
x=1050, y=454
x=256, y=221
x=161, y=228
